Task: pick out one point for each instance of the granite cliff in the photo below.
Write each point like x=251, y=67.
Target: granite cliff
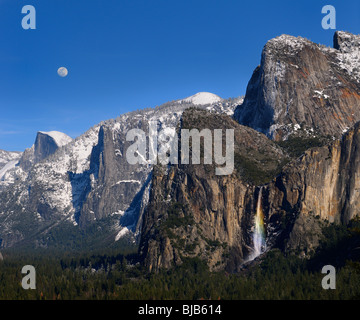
x=302, y=85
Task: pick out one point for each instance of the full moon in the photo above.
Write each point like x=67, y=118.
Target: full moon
x=62, y=72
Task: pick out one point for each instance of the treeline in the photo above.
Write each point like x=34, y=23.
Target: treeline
x=112, y=275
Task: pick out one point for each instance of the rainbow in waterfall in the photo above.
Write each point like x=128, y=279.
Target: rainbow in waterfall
x=259, y=230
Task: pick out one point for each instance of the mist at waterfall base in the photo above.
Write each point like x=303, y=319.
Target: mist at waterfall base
x=259, y=244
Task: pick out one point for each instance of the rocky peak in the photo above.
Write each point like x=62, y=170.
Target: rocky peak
x=47, y=143
x=346, y=42
x=286, y=45
x=300, y=84
x=348, y=56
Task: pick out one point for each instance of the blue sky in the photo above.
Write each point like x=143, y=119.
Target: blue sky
x=129, y=54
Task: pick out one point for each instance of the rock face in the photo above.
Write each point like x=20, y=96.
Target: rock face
x=321, y=185
x=194, y=213
x=300, y=84
x=112, y=182
x=301, y=87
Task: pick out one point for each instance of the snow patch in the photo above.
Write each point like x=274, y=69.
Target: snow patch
x=119, y=212
x=122, y=233
x=128, y=181
x=320, y=94
x=202, y=98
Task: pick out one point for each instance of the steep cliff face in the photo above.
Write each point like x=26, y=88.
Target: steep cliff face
x=193, y=212
x=322, y=185
x=113, y=183
x=302, y=85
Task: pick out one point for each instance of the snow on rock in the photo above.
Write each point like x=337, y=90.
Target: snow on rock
x=226, y=106
x=320, y=94
x=81, y=149
x=202, y=98
x=6, y=156
x=348, y=54
x=10, y=165
x=122, y=233
x=52, y=175
x=128, y=181
x=288, y=45
x=60, y=138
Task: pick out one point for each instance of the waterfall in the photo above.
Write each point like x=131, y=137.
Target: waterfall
x=259, y=230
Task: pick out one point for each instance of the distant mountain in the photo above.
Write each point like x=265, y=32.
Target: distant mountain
x=67, y=184
x=202, y=98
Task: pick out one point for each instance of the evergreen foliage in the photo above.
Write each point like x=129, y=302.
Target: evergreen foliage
x=110, y=275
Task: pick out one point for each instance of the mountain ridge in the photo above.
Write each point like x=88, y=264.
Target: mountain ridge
x=64, y=185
